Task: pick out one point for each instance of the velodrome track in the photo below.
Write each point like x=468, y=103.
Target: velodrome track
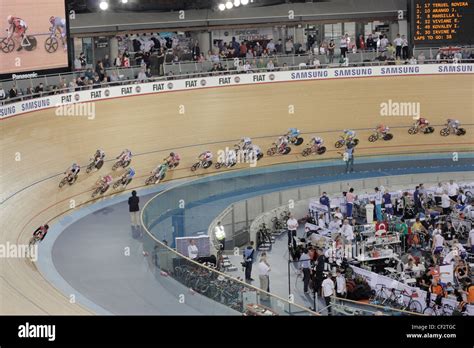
x=152, y=125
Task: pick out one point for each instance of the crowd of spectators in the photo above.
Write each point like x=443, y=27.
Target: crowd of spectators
x=430, y=225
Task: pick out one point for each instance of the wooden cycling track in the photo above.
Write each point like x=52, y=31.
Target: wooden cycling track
x=213, y=118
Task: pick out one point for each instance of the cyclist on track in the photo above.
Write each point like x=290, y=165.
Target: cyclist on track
x=348, y=135
x=160, y=171
x=173, y=159
x=125, y=156
x=292, y=134
x=72, y=171
x=382, y=129
x=127, y=176
x=105, y=182
x=317, y=142
x=255, y=149
x=59, y=25
x=245, y=143
x=282, y=143
x=18, y=27
x=98, y=156
x=421, y=123
x=230, y=158
x=453, y=124
x=205, y=157
x=41, y=232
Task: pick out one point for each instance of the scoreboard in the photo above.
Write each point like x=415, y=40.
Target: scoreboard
x=442, y=22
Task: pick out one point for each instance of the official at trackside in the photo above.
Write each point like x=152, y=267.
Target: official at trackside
x=248, y=255
x=292, y=225
x=378, y=204
x=324, y=200
x=305, y=266
x=348, y=157
x=193, y=251
x=134, y=209
x=264, y=276
x=328, y=291
x=220, y=235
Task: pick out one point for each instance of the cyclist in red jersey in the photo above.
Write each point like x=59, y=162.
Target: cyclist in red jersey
x=17, y=26
x=41, y=232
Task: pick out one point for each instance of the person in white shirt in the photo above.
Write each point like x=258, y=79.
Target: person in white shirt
x=398, y=45
x=438, y=191
x=348, y=233
x=438, y=242
x=328, y=291
x=445, y=203
x=452, y=188
x=192, y=249
x=292, y=225
x=341, y=289
x=321, y=222
x=335, y=225
x=264, y=276
x=220, y=235
x=338, y=214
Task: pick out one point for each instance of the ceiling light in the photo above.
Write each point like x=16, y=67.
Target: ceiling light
x=236, y=3
x=124, y=1
x=104, y=5
x=229, y=5
x=221, y=7
x=244, y=2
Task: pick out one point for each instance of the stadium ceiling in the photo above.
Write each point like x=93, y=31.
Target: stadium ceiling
x=88, y=6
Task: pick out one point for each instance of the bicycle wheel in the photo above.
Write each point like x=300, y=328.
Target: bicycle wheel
x=444, y=132
x=373, y=138
x=51, y=44
x=412, y=130
x=429, y=311
x=271, y=151
x=194, y=167
x=415, y=306
x=306, y=152
x=339, y=144
x=7, y=45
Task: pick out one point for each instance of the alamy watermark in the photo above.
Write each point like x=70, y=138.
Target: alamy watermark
x=394, y=108
x=229, y=156
x=76, y=110
x=17, y=251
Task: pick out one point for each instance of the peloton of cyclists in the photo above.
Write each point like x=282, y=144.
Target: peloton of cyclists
x=18, y=27
x=72, y=172
x=173, y=159
x=205, y=158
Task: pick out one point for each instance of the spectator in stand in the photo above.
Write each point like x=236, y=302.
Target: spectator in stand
x=243, y=49
x=201, y=58
x=328, y=292
x=148, y=73
x=343, y=45
x=316, y=63
x=271, y=47
x=196, y=51
x=331, y=48
x=161, y=61
x=193, y=251
x=96, y=82
x=126, y=62
x=421, y=58
x=412, y=61
x=370, y=43
x=82, y=59
x=383, y=43
x=3, y=95
x=118, y=61
x=142, y=76
x=390, y=51
x=361, y=43
x=446, y=203
x=261, y=64
x=270, y=66
x=72, y=86
x=378, y=204
x=453, y=190
x=100, y=70
x=279, y=46
x=289, y=46
x=404, y=47
x=347, y=232
x=89, y=74
x=397, y=42
x=106, y=62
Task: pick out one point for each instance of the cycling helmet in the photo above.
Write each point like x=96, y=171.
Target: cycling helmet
x=74, y=165
x=10, y=19
x=46, y=226
x=51, y=19
x=317, y=139
x=171, y=154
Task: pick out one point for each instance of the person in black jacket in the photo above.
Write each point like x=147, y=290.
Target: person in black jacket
x=248, y=255
x=134, y=209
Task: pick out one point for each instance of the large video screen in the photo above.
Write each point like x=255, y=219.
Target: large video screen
x=34, y=35
x=443, y=22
